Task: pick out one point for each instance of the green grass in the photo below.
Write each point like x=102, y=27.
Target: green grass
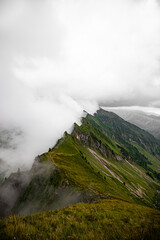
x=91, y=127
x=125, y=134
x=155, y=162
x=71, y=162
x=85, y=172
x=103, y=220
x=96, y=162
x=81, y=172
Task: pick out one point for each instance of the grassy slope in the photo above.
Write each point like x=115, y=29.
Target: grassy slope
x=88, y=168
x=81, y=172
x=113, y=124
x=39, y=194
x=105, y=219
x=84, y=170
x=155, y=163
x=126, y=133
x=96, y=177
x=50, y=189
x=134, y=176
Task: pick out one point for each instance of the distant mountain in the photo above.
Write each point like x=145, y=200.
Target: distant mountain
x=146, y=121
x=9, y=140
x=107, y=162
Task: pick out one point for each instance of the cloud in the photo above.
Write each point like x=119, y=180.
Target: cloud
x=59, y=58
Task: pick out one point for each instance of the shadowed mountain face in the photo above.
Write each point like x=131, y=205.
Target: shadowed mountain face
x=148, y=122
x=128, y=135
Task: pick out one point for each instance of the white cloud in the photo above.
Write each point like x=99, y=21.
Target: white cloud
x=60, y=57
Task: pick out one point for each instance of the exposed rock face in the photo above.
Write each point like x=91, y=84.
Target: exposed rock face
x=90, y=140
x=85, y=139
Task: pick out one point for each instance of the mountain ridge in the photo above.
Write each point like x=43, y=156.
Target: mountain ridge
x=147, y=121
x=102, y=156
x=105, y=158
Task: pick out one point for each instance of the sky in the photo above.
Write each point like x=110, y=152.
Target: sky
x=58, y=58
x=149, y=110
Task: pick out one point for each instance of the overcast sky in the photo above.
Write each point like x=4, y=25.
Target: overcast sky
x=60, y=57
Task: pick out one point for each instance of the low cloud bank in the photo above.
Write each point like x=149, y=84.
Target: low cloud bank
x=59, y=58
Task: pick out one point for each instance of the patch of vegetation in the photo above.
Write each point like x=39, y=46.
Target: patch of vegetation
x=80, y=171
x=105, y=219
x=115, y=126
x=153, y=169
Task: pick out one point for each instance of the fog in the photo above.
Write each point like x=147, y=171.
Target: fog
x=59, y=58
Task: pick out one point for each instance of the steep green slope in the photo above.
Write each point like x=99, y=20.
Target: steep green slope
x=106, y=162
x=94, y=161
x=127, y=134
x=105, y=219
x=49, y=188
x=64, y=176
x=147, y=121
x=121, y=129
x=114, y=158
